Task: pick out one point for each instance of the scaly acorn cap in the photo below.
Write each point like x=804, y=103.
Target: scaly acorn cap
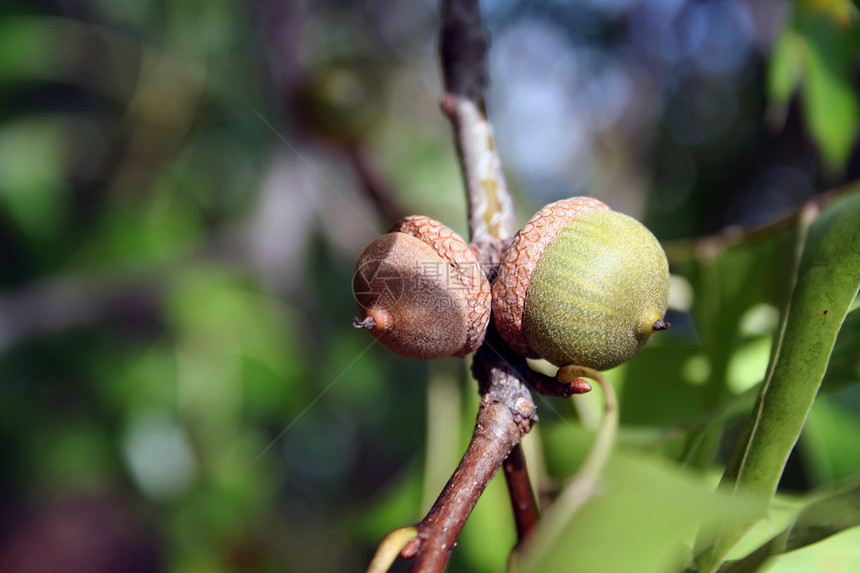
x=519, y=264
x=421, y=292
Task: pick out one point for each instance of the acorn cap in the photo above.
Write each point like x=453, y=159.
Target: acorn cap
x=421, y=292
x=519, y=264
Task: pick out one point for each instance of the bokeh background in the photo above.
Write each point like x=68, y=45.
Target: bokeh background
x=185, y=187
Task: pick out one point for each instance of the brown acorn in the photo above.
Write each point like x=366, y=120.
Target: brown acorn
x=420, y=291
x=581, y=285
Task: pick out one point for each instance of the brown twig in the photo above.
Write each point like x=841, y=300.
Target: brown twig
x=375, y=186
x=507, y=410
x=73, y=301
x=495, y=433
x=522, y=497
x=462, y=48
x=505, y=415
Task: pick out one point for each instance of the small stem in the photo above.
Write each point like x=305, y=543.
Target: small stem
x=390, y=547
x=582, y=487
x=684, y=250
x=520, y=489
x=375, y=186
x=548, y=386
x=367, y=323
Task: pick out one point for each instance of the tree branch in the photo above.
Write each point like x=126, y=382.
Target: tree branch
x=507, y=409
x=375, y=186
x=495, y=433
x=505, y=415
x=522, y=497
x=462, y=48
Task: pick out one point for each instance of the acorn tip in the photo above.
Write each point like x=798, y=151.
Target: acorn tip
x=367, y=323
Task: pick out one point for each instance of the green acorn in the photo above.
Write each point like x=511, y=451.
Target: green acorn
x=581, y=285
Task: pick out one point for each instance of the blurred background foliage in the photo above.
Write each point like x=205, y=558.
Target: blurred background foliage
x=183, y=195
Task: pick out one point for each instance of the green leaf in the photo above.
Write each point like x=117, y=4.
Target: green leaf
x=668, y=398
x=830, y=442
x=827, y=279
x=817, y=521
x=838, y=553
x=235, y=352
x=785, y=71
x=844, y=368
x=27, y=48
x=829, y=99
x=817, y=49
x=399, y=503
x=32, y=168
x=824, y=518
x=639, y=520
x=730, y=275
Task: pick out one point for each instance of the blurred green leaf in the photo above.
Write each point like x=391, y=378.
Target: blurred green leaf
x=818, y=48
x=139, y=379
x=71, y=456
x=830, y=99
x=747, y=364
x=815, y=522
x=826, y=283
x=656, y=389
x=26, y=49
x=640, y=520
x=838, y=553
x=785, y=70
x=398, y=504
x=446, y=425
x=565, y=441
x=160, y=230
x=32, y=171
x=426, y=173
x=50, y=49
x=825, y=518
x=240, y=337
x=844, y=367
x=158, y=455
x=831, y=442
x=731, y=275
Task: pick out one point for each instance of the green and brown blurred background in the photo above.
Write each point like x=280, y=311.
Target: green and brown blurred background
x=184, y=193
